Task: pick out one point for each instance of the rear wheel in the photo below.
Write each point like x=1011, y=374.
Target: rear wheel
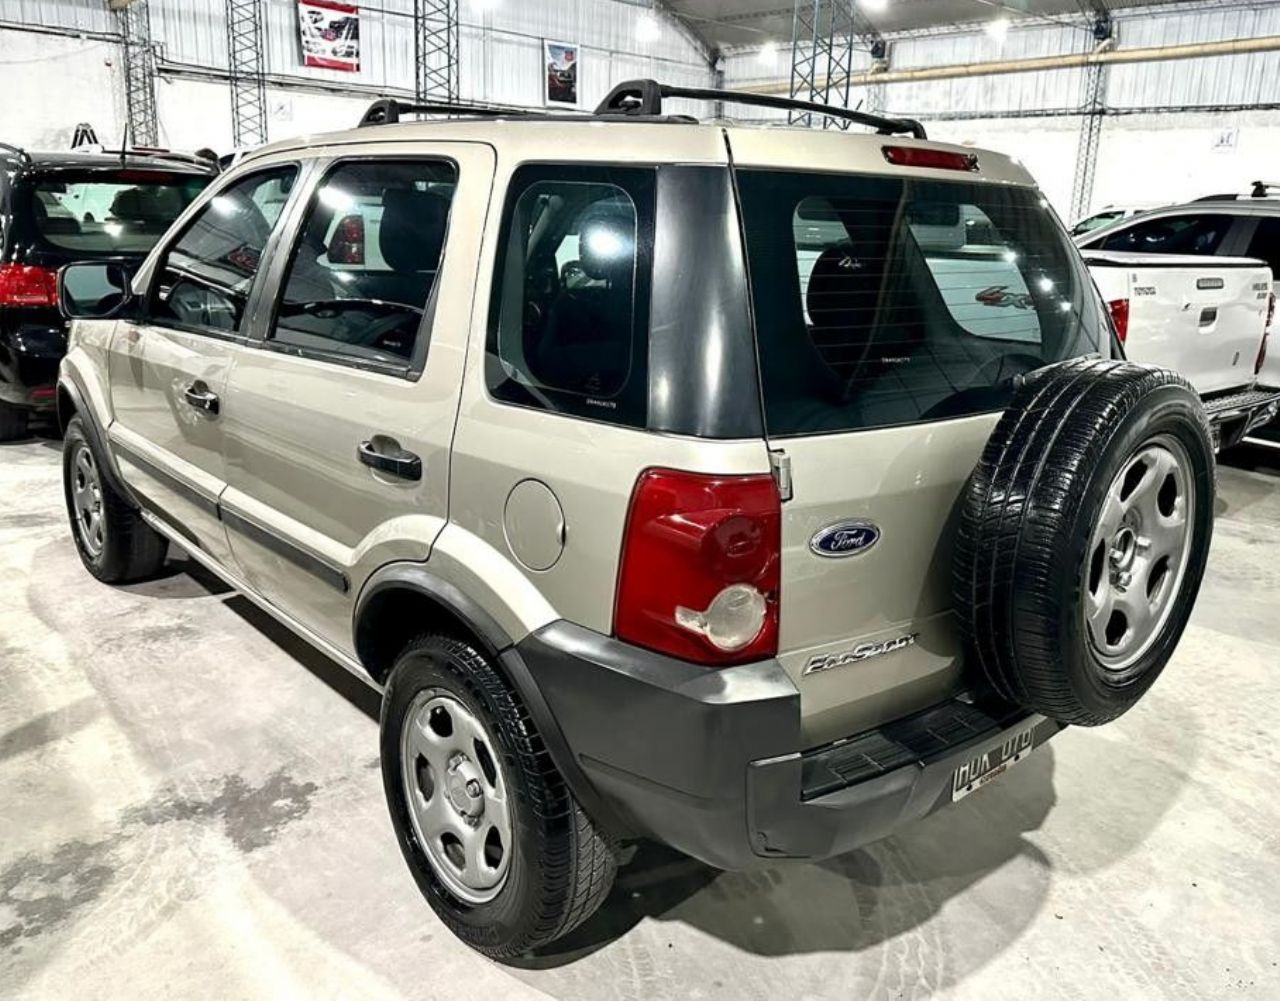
x=13, y=421
x=1083, y=537
x=114, y=543
x=494, y=838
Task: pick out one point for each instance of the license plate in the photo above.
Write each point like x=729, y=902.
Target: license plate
x=990, y=764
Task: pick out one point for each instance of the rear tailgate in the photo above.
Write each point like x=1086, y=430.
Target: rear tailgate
x=1203, y=317
x=893, y=310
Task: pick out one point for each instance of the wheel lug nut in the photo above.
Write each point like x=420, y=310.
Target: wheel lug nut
x=473, y=787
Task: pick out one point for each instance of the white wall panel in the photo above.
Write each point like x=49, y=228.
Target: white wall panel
x=69, y=80
x=81, y=15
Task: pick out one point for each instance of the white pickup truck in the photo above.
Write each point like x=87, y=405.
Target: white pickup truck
x=1204, y=317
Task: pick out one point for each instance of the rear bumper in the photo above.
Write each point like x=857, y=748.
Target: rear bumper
x=1234, y=415
x=31, y=348
x=711, y=761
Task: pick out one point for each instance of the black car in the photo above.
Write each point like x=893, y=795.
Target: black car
x=56, y=208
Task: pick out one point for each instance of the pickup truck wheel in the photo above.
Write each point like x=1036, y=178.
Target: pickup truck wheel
x=495, y=841
x=1083, y=537
x=13, y=421
x=114, y=543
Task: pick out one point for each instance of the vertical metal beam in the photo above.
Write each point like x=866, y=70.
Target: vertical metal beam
x=1094, y=109
x=139, y=75
x=824, y=36
x=1090, y=135
x=435, y=49
x=248, y=72
x=840, y=60
x=806, y=54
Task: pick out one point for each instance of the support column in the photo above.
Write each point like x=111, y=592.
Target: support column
x=248, y=74
x=435, y=50
x=1094, y=109
x=139, y=75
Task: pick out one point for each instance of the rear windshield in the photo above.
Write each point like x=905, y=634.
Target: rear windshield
x=97, y=212
x=883, y=301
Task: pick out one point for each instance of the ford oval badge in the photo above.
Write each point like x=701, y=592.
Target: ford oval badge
x=846, y=538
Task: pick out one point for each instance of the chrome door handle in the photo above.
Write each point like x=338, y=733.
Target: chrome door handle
x=201, y=397
x=386, y=455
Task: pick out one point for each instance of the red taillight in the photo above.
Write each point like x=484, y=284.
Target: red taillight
x=938, y=159
x=1119, y=310
x=28, y=285
x=700, y=567
x=347, y=245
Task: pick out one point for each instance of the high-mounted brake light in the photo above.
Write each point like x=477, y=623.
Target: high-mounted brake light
x=28, y=285
x=700, y=569
x=938, y=159
x=1119, y=310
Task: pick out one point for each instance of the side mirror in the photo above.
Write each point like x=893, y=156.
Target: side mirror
x=93, y=291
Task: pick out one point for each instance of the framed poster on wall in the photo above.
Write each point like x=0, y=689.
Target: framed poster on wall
x=562, y=73
x=330, y=34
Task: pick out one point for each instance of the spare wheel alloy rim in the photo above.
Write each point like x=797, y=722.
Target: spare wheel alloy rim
x=86, y=500
x=458, y=799
x=1138, y=555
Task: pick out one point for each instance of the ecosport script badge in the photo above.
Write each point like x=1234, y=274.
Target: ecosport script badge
x=861, y=652
x=845, y=538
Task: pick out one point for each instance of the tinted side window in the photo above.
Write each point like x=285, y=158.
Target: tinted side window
x=1265, y=245
x=366, y=260
x=205, y=277
x=1183, y=234
x=569, y=318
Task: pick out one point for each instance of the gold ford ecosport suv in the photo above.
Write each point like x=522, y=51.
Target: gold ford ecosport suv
x=755, y=490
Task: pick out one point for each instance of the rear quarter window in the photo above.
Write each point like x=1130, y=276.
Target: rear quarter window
x=568, y=328
x=883, y=301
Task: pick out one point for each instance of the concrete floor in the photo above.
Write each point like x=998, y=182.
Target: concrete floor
x=190, y=806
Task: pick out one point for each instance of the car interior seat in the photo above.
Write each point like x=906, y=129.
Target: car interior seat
x=586, y=345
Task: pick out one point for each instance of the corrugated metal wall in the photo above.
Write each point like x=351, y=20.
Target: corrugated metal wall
x=1245, y=79
x=501, y=55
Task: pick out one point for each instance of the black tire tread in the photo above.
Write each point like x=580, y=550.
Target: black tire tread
x=1016, y=526
x=576, y=860
x=133, y=550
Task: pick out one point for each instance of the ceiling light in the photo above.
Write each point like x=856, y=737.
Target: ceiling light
x=875, y=6
x=998, y=29
x=768, y=54
x=647, y=28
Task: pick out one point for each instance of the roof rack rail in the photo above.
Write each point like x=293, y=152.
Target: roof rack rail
x=387, y=110
x=643, y=98
x=17, y=151
x=1263, y=189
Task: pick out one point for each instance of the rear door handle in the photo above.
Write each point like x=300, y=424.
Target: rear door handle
x=385, y=455
x=201, y=397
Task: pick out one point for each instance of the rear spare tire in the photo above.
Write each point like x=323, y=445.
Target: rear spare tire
x=1083, y=537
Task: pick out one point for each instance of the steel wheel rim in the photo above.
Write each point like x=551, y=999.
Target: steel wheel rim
x=1138, y=555
x=457, y=795
x=86, y=500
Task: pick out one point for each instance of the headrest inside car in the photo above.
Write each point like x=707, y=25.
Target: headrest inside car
x=607, y=243
x=411, y=234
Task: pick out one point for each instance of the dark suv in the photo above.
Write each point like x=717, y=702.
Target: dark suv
x=62, y=207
